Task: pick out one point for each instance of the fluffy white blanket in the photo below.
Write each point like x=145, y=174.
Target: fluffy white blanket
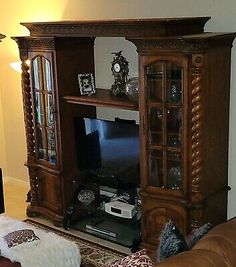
x=51, y=251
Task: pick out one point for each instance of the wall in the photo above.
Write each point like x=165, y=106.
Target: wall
x=12, y=141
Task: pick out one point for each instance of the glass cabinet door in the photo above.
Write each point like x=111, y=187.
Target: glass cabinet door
x=44, y=109
x=164, y=80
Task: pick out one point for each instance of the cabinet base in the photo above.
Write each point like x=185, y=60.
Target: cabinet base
x=35, y=211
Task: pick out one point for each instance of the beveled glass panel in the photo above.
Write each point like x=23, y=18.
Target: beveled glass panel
x=156, y=125
x=155, y=81
x=44, y=109
x=174, y=83
x=174, y=120
x=51, y=147
x=42, y=143
x=174, y=92
x=36, y=73
x=173, y=71
x=47, y=79
x=156, y=168
x=174, y=156
x=49, y=110
x=39, y=105
x=174, y=171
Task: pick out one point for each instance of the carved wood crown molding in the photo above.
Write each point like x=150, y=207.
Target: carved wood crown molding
x=123, y=27
x=191, y=43
x=169, y=44
x=35, y=43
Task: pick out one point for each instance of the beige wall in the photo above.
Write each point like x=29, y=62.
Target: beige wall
x=12, y=141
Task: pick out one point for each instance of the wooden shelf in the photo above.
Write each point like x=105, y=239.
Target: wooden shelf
x=103, y=98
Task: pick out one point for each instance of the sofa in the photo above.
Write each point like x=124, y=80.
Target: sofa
x=216, y=249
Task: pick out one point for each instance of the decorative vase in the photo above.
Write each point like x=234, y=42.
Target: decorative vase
x=132, y=89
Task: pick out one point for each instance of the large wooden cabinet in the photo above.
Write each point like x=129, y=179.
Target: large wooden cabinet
x=184, y=82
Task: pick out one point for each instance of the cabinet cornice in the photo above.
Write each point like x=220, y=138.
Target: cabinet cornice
x=120, y=27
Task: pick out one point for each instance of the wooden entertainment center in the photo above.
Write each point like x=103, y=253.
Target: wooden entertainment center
x=184, y=89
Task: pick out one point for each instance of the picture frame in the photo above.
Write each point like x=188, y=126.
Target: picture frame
x=86, y=83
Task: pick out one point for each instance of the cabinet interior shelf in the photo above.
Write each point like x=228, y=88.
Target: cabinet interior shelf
x=103, y=98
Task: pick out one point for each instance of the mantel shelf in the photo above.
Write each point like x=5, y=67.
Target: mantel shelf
x=103, y=98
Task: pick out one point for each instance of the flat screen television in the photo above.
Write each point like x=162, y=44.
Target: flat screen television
x=109, y=150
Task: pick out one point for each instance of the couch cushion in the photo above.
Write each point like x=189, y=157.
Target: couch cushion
x=227, y=230
x=195, y=258
x=220, y=245
x=221, y=240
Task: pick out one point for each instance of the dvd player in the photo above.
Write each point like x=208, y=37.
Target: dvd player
x=99, y=230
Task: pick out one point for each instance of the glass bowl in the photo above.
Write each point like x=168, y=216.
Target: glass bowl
x=132, y=89
x=86, y=197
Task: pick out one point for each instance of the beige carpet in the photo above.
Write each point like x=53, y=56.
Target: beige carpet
x=93, y=255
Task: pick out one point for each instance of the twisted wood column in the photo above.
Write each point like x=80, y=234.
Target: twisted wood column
x=196, y=141
x=28, y=116
x=29, y=126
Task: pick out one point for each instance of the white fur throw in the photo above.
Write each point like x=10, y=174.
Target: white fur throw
x=51, y=251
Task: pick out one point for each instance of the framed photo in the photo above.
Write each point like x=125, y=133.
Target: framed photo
x=86, y=84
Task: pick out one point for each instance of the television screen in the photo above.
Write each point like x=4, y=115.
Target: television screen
x=109, y=150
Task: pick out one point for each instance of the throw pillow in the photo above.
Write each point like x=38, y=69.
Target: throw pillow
x=198, y=234
x=171, y=242
x=137, y=259
x=20, y=237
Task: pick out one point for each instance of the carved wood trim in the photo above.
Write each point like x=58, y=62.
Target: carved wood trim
x=35, y=43
x=28, y=112
x=177, y=44
x=123, y=27
x=34, y=185
x=196, y=135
